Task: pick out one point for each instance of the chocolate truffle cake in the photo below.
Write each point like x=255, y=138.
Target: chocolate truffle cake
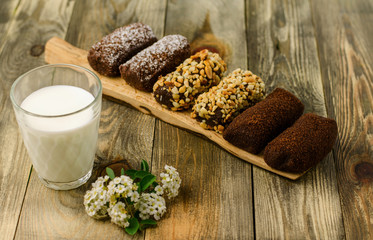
x=236, y=92
x=143, y=70
x=118, y=47
x=257, y=126
x=177, y=90
x=302, y=145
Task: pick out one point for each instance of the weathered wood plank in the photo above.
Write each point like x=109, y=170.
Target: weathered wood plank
x=215, y=197
x=8, y=11
x=282, y=49
x=125, y=135
x=105, y=16
x=344, y=36
x=30, y=27
x=215, y=201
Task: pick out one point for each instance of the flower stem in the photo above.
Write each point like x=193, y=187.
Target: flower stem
x=129, y=207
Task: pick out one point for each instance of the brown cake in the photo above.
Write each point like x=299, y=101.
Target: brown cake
x=302, y=145
x=257, y=126
x=217, y=108
x=143, y=70
x=118, y=47
x=177, y=90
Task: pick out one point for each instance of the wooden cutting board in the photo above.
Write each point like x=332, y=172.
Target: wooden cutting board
x=59, y=51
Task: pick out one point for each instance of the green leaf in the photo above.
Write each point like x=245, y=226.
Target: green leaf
x=131, y=173
x=147, y=223
x=133, y=227
x=142, y=174
x=110, y=173
x=122, y=171
x=147, y=181
x=144, y=166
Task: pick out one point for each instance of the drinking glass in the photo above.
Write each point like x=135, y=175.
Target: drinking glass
x=57, y=108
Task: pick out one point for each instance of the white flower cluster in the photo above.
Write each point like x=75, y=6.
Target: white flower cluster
x=120, y=199
x=119, y=190
x=151, y=204
x=95, y=200
x=170, y=181
x=119, y=214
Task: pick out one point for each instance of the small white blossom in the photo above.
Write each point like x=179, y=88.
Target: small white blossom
x=144, y=216
x=117, y=180
x=159, y=190
x=135, y=196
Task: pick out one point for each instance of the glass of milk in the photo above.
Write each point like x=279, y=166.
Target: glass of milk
x=58, y=112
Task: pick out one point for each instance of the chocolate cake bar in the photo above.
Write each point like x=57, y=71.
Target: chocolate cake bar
x=118, y=47
x=143, y=70
x=222, y=103
x=178, y=90
x=302, y=145
x=257, y=126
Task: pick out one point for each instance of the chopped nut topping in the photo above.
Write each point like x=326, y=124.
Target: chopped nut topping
x=217, y=107
x=193, y=77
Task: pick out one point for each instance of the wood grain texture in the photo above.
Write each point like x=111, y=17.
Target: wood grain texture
x=125, y=135
x=215, y=201
x=105, y=16
x=30, y=26
x=282, y=49
x=215, y=195
x=8, y=11
x=320, y=50
x=344, y=38
x=59, y=51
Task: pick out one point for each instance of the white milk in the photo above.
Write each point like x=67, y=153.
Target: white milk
x=61, y=149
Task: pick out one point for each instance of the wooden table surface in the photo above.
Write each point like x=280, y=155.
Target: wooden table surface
x=320, y=50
